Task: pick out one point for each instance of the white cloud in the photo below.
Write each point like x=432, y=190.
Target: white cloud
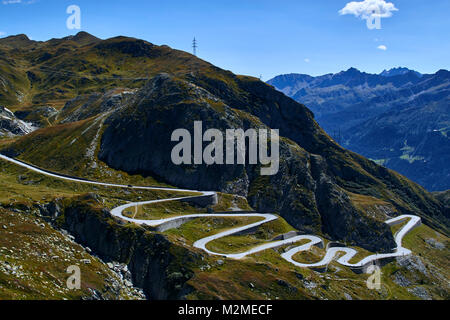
x=18, y=1
x=307, y=60
x=369, y=9
x=11, y=1
x=2, y=33
x=382, y=47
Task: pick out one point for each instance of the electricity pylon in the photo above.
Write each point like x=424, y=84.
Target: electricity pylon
x=194, y=46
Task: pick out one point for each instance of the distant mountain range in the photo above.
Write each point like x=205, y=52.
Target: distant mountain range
x=399, y=118
x=398, y=72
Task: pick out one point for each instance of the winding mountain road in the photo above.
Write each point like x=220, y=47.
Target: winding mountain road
x=331, y=253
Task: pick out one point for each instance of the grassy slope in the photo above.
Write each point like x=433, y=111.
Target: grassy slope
x=21, y=186
x=59, y=70
x=64, y=149
x=258, y=277
x=226, y=202
x=39, y=256
x=263, y=275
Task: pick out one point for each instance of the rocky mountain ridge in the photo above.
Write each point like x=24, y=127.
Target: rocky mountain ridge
x=399, y=119
x=319, y=186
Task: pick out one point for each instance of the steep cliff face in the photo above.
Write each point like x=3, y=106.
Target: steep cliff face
x=158, y=266
x=138, y=140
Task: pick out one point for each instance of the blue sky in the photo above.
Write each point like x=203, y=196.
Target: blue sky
x=256, y=37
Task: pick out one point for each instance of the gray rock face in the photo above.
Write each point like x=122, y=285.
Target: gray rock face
x=137, y=140
x=347, y=296
x=83, y=107
x=401, y=280
x=435, y=244
x=145, y=260
x=149, y=122
x=10, y=125
x=412, y=263
x=420, y=292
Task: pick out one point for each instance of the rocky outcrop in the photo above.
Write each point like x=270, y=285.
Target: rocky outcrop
x=10, y=125
x=158, y=266
x=83, y=107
